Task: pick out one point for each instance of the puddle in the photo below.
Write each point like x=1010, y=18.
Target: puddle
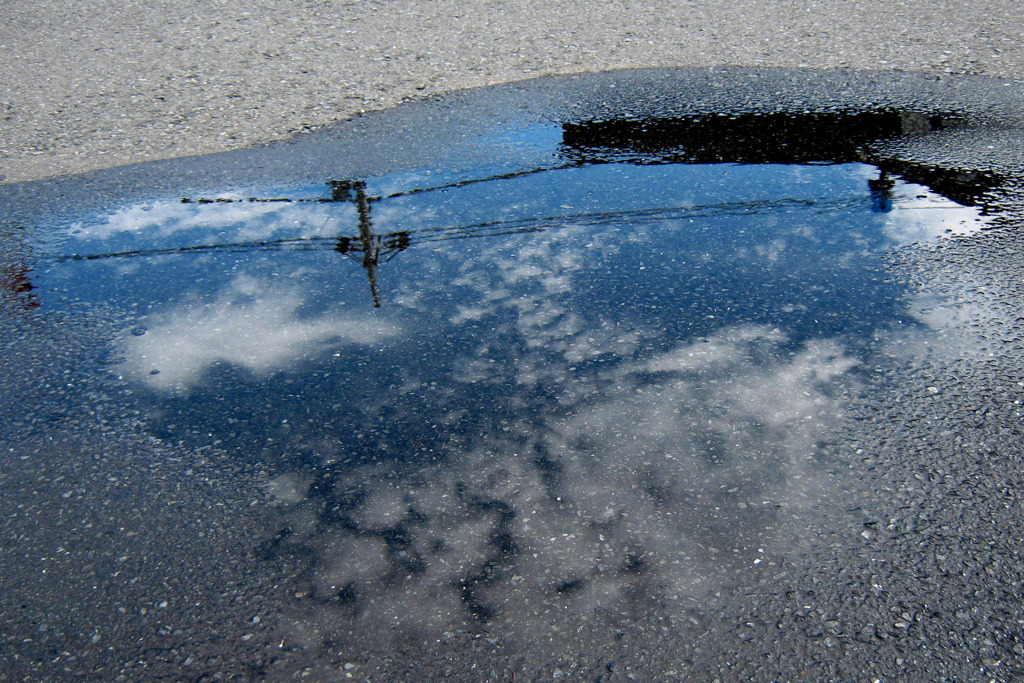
x=524, y=400
x=574, y=391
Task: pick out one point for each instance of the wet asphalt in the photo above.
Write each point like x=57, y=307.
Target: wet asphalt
x=128, y=558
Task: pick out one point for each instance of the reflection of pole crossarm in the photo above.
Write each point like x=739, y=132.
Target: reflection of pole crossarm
x=371, y=244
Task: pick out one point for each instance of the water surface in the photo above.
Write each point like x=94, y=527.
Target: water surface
x=516, y=403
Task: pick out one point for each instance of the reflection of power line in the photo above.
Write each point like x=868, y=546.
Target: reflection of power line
x=392, y=242
x=743, y=138
x=370, y=249
x=399, y=241
x=341, y=190
x=369, y=244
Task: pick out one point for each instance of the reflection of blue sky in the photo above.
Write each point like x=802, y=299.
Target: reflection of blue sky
x=539, y=139
x=594, y=191
x=643, y=378
x=567, y=195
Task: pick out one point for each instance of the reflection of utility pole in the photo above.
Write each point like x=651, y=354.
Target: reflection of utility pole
x=371, y=247
x=371, y=244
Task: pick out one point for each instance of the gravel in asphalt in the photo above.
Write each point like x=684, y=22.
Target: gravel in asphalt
x=83, y=86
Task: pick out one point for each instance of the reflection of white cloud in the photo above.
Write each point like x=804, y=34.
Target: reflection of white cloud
x=951, y=324
x=664, y=480
x=922, y=218
x=920, y=215
x=252, y=325
x=646, y=478
x=712, y=353
x=247, y=220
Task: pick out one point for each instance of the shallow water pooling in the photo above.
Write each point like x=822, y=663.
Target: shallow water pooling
x=527, y=402
x=673, y=373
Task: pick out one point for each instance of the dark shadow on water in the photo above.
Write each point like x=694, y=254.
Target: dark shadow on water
x=777, y=138
x=755, y=138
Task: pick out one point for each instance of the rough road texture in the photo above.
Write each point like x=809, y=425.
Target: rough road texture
x=920, y=582
x=84, y=85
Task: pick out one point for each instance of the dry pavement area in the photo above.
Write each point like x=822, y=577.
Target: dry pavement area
x=88, y=84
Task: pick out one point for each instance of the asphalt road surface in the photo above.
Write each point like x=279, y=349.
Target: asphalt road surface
x=128, y=556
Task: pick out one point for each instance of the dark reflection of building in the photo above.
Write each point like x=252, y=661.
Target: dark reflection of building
x=779, y=138
x=759, y=138
x=963, y=186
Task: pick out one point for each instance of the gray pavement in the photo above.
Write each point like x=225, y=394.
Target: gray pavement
x=919, y=580
x=87, y=85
